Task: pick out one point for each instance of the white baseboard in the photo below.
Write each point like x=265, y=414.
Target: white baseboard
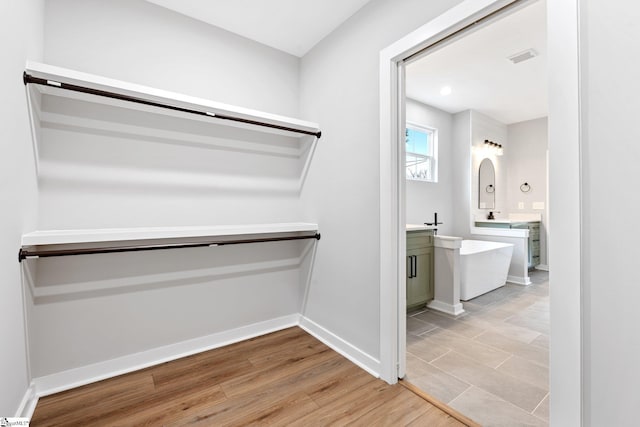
x=354, y=354
x=543, y=267
x=452, y=309
x=54, y=383
x=28, y=403
x=61, y=381
x=519, y=280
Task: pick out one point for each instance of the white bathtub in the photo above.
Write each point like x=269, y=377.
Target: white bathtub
x=483, y=267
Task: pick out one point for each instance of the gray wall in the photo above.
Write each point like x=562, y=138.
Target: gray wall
x=344, y=198
x=527, y=162
x=610, y=150
x=484, y=127
x=463, y=177
x=425, y=198
x=139, y=42
x=21, y=35
x=470, y=129
x=339, y=89
x=114, y=178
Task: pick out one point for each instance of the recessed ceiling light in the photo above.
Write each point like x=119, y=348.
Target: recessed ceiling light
x=446, y=90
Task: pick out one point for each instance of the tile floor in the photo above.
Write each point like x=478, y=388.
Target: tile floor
x=492, y=362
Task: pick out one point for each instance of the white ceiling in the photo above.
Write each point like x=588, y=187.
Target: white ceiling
x=481, y=77
x=293, y=26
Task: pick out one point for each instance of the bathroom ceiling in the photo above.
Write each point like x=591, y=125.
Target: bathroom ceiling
x=294, y=26
x=481, y=77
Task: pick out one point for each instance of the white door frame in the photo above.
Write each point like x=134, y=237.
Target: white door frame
x=565, y=196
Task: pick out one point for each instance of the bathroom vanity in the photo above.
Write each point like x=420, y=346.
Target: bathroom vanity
x=533, y=243
x=420, y=271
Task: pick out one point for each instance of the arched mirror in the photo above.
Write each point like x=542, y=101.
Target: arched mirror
x=487, y=185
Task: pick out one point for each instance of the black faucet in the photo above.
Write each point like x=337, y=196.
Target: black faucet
x=435, y=222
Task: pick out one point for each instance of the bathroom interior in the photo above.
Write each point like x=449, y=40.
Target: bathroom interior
x=477, y=291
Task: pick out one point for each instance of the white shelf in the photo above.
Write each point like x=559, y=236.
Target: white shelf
x=77, y=78
x=109, y=235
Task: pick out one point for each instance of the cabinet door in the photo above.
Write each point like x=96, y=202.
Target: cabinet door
x=419, y=287
x=426, y=272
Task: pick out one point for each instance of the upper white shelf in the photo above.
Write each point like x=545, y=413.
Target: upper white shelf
x=110, y=235
x=56, y=77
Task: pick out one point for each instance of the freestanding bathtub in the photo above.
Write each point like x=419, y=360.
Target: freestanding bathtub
x=483, y=267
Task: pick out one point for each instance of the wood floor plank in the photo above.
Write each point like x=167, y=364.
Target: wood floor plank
x=338, y=387
x=263, y=377
x=200, y=372
x=265, y=344
x=399, y=411
x=282, y=379
x=270, y=409
x=352, y=406
x=87, y=404
x=232, y=411
x=160, y=410
x=303, y=346
x=435, y=418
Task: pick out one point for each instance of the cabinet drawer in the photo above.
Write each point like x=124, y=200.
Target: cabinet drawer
x=419, y=239
x=535, y=246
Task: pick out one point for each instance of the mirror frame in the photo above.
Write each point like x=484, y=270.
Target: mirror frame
x=486, y=186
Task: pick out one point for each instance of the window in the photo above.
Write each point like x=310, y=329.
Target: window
x=421, y=147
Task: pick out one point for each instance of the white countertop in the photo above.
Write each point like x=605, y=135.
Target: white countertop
x=507, y=221
x=512, y=218
x=418, y=227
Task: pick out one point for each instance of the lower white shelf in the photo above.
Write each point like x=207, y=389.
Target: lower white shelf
x=48, y=243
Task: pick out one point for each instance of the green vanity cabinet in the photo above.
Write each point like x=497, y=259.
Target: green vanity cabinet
x=534, y=241
x=419, y=268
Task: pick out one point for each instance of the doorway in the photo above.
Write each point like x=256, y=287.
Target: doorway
x=485, y=98
x=565, y=340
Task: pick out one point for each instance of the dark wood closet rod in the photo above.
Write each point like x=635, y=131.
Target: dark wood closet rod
x=25, y=253
x=27, y=78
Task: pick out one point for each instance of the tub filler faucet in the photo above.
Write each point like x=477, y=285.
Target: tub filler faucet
x=434, y=223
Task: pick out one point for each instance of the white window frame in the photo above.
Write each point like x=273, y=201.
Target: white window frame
x=433, y=158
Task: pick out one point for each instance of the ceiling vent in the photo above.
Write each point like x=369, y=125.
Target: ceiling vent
x=522, y=56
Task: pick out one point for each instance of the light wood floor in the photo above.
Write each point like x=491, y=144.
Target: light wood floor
x=286, y=378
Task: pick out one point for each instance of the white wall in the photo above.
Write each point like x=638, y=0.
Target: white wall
x=462, y=177
x=527, y=162
x=610, y=153
x=339, y=89
x=147, y=169
x=470, y=129
x=565, y=249
x=144, y=169
x=425, y=198
x=21, y=35
x=484, y=127
x=137, y=41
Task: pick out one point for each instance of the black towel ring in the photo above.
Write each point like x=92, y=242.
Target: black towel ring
x=525, y=188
